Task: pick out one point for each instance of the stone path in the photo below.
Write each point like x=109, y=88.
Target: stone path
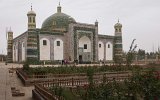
x=8, y=80
x=5, y=92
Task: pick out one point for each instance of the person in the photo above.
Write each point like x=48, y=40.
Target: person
x=100, y=62
x=65, y=61
x=62, y=62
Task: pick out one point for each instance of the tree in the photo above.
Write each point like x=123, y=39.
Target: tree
x=141, y=54
x=26, y=66
x=130, y=54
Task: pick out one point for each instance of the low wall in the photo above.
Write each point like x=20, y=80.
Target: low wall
x=68, y=78
x=42, y=93
x=36, y=95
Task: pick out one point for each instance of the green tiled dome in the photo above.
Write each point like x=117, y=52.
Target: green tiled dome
x=57, y=20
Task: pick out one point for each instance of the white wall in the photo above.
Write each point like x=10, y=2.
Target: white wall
x=58, y=50
x=44, y=50
x=85, y=40
x=109, y=51
x=100, y=51
x=14, y=55
x=23, y=51
x=15, y=52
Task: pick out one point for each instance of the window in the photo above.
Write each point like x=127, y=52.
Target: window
x=108, y=45
x=58, y=43
x=99, y=45
x=33, y=19
x=116, y=30
x=44, y=42
x=30, y=19
x=85, y=46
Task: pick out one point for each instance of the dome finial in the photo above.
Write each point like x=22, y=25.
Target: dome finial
x=59, y=8
x=59, y=3
x=118, y=20
x=31, y=6
x=31, y=12
x=10, y=29
x=96, y=22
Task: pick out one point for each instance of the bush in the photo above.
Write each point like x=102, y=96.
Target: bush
x=26, y=66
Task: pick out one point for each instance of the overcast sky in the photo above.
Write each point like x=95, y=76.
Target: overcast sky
x=140, y=18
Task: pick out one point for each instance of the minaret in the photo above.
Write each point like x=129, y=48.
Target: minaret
x=9, y=45
x=95, y=54
x=118, y=46
x=31, y=19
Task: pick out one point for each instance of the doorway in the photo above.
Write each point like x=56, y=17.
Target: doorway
x=80, y=58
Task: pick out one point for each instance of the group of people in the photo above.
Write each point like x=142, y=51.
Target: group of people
x=64, y=62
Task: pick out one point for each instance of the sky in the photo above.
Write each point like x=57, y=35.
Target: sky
x=140, y=18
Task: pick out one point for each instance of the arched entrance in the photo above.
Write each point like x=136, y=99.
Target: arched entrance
x=84, y=49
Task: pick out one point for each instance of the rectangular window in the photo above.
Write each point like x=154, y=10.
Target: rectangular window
x=44, y=42
x=85, y=46
x=108, y=45
x=30, y=19
x=58, y=43
x=99, y=45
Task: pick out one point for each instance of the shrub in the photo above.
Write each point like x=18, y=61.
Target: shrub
x=26, y=66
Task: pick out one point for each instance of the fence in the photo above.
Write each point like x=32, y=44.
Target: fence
x=43, y=88
x=32, y=79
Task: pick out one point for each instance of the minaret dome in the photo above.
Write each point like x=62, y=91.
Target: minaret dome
x=118, y=27
x=31, y=19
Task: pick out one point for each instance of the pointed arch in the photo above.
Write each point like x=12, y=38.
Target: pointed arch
x=23, y=51
x=109, y=51
x=85, y=43
x=58, y=49
x=44, y=49
x=100, y=50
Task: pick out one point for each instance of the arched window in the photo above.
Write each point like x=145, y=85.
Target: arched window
x=116, y=30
